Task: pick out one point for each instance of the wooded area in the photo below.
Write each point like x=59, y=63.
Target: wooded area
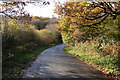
x=91, y=31
x=24, y=37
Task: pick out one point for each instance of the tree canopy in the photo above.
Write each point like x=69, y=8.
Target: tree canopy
x=87, y=14
x=16, y=10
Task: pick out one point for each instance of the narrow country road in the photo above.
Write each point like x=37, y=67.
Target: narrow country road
x=54, y=62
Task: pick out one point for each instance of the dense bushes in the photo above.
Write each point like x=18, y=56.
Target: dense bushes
x=21, y=43
x=40, y=24
x=85, y=51
x=16, y=34
x=100, y=48
x=95, y=44
x=19, y=34
x=45, y=36
x=99, y=44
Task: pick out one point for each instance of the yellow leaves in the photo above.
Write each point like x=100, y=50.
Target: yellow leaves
x=97, y=10
x=68, y=7
x=78, y=14
x=84, y=3
x=73, y=25
x=73, y=20
x=6, y=4
x=75, y=4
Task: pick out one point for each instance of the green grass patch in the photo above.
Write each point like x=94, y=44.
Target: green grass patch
x=105, y=63
x=14, y=60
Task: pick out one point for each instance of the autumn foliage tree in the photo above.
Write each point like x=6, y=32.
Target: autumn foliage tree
x=87, y=15
x=92, y=28
x=16, y=10
x=86, y=21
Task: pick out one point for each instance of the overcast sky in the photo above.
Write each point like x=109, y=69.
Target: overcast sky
x=46, y=11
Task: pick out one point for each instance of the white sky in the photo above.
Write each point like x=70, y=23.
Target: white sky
x=46, y=11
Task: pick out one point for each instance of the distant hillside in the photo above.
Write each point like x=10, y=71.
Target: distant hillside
x=42, y=23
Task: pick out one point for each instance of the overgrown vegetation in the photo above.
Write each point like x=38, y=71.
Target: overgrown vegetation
x=90, y=29
x=86, y=51
x=91, y=32
x=23, y=36
x=22, y=42
x=17, y=59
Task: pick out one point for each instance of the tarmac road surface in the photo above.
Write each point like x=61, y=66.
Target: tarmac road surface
x=54, y=62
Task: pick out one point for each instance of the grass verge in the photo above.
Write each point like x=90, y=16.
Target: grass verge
x=17, y=59
x=105, y=64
